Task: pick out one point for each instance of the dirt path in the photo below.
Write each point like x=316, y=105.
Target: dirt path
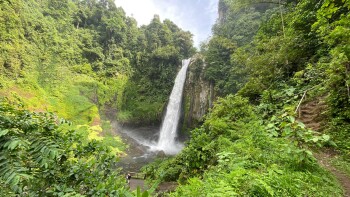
x=311, y=115
x=134, y=183
x=324, y=159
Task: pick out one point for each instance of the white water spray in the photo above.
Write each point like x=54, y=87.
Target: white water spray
x=168, y=130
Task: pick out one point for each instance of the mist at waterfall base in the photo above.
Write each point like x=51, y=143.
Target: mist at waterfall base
x=146, y=142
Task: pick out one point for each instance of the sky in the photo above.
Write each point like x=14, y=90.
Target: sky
x=196, y=16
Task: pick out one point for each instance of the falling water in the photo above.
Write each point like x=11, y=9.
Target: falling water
x=168, y=130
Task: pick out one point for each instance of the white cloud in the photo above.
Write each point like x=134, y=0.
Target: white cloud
x=142, y=10
x=194, y=16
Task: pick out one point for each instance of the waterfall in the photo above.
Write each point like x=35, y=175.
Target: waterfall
x=168, y=131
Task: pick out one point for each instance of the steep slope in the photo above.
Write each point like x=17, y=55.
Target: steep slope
x=324, y=159
x=198, y=94
x=311, y=115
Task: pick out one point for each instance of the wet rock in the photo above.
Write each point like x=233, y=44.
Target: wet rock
x=198, y=94
x=161, y=154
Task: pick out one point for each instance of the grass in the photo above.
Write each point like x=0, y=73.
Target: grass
x=341, y=164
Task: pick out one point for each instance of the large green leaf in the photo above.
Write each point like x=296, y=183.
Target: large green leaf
x=3, y=132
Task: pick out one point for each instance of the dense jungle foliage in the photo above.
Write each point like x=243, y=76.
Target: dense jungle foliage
x=42, y=155
x=234, y=153
x=79, y=58
x=262, y=57
x=263, y=49
x=87, y=62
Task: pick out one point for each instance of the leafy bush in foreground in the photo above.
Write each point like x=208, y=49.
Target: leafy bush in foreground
x=41, y=156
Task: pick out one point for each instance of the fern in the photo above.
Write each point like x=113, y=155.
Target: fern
x=38, y=156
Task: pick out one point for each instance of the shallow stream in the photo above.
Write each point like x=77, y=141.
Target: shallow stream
x=140, y=151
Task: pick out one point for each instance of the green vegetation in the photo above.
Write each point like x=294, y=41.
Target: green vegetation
x=82, y=58
x=234, y=153
x=87, y=62
x=262, y=57
x=165, y=45
x=342, y=164
x=259, y=50
x=42, y=155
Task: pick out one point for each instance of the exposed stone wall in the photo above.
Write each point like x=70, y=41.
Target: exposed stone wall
x=198, y=95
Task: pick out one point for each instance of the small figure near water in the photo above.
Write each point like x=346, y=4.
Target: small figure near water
x=128, y=177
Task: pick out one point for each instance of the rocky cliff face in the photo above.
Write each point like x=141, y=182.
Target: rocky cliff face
x=222, y=11
x=198, y=94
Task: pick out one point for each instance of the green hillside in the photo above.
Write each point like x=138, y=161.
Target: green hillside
x=262, y=58
x=280, y=73
x=89, y=63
